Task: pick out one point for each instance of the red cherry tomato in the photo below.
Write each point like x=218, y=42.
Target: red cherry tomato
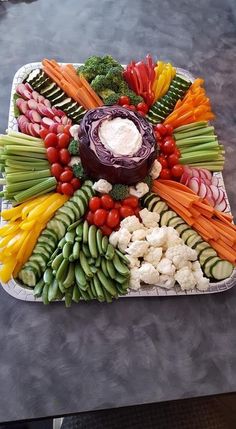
x=75, y=183
x=90, y=217
x=177, y=152
x=124, y=99
x=43, y=132
x=169, y=138
x=59, y=188
x=94, y=203
x=67, y=130
x=169, y=129
x=173, y=159
x=63, y=140
x=107, y=202
x=64, y=156
x=142, y=107
x=168, y=147
x=113, y=218
x=126, y=211
x=66, y=176
x=132, y=107
x=117, y=205
x=165, y=174
x=56, y=170
x=51, y=140
x=52, y=155
x=177, y=170
x=163, y=161
x=100, y=217
x=53, y=128
x=67, y=189
x=157, y=135
x=106, y=230
x=131, y=201
x=141, y=113
x=126, y=106
x=161, y=129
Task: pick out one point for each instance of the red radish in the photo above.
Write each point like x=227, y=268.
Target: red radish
x=32, y=130
x=20, y=89
x=202, y=190
x=49, y=113
x=215, y=193
x=29, y=87
x=41, y=98
x=35, y=116
x=46, y=102
x=53, y=128
x=58, y=112
x=36, y=129
x=221, y=206
x=42, y=110
x=26, y=94
x=64, y=120
x=57, y=119
x=185, y=178
x=194, y=184
x=46, y=122
x=35, y=95
x=221, y=196
x=23, y=107
x=32, y=104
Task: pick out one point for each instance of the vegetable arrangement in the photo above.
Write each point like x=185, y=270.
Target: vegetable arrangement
x=112, y=181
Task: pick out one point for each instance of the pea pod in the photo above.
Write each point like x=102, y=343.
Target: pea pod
x=53, y=290
x=85, y=231
x=84, y=295
x=76, y=250
x=92, y=242
x=57, y=261
x=38, y=288
x=107, y=284
x=90, y=293
x=120, y=279
x=62, y=270
x=91, y=261
x=74, y=225
x=45, y=294
x=61, y=242
x=120, y=266
x=92, y=288
x=110, y=252
x=48, y=276
x=70, y=237
x=99, y=241
x=122, y=256
x=104, y=244
x=98, y=289
x=108, y=297
x=67, y=250
x=79, y=231
x=98, y=262
x=61, y=288
x=80, y=278
x=110, y=269
x=76, y=294
x=68, y=298
x=53, y=256
x=70, y=278
x=86, y=250
x=60, y=295
x=121, y=291
x=104, y=267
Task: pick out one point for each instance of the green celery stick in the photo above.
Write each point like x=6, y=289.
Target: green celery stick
x=21, y=165
x=20, y=186
x=199, y=147
x=7, y=140
x=214, y=166
x=194, y=133
x=45, y=186
x=191, y=126
x=19, y=148
x=23, y=136
x=206, y=156
x=25, y=155
x=195, y=140
x=19, y=177
x=2, y=182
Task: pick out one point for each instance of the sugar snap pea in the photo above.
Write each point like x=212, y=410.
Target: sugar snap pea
x=74, y=225
x=62, y=270
x=79, y=231
x=68, y=298
x=110, y=269
x=70, y=278
x=120, y=266
x=99, y=241
x=53, y=290
x=106, y=283
x=110, y=252
x=70, y=237
x=104, y=244
x=92, y=242
x=85, y=231
x=84, y=264
x=80, y=277
x=76, y=294
x=57, y=261
x=45, y=294
x=38, y=288
x=67, y=250
x=104, y=267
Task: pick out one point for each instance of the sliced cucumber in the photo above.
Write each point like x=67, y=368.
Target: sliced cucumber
x=159, y=207
x=208, y=264
x=186, y=234
x=221, y=269
x=205, y=254
x=166, y=216
x=175, y=221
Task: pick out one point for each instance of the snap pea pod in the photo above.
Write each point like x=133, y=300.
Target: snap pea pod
x=79, y=232
x=104, y=244
x=38, y=288
x=45, y=294
x=110, y=252
x=122, y=256
x=85, y=266
x=68, y=298
x=86, y=251
x=107, y=284
x=76, y=296
x=108, y=297
x=61, y=288
x=76, y=250
x=67, y=250
x=120, y=266
x=99, y=241
x=74, y=225
x=92, y=242
x=53, y=291
x=98, y=289
x=62, y=271
x=80, y=278
x=70, y=278
x=61, y=242
x=48, y=276
x=84, y=295
x=104, y=267
x=57, y=261
x=70, y=237
x=110, y=269
x=85, y=231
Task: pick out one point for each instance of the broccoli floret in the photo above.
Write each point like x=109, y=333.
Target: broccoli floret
x=119, y=192
x=79, y=171
x=95, y=65
x=148, y=180
x=73, y=147
x=134, y=98
x=100, y=83
x=111, y=99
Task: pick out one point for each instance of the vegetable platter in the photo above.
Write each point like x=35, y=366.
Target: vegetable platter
x=112, y=185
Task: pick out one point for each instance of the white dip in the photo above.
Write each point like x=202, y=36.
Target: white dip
x=120, y=136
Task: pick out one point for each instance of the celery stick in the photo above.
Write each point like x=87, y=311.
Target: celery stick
x=196, y=140
x=199, y=147
x=194, y=133
x=23, y=136
x=28, y=159
x=191, y=126
x=19, y=177
x=26, y=165
x=214, y=166
x=7, y=140
x=206, y=156
x=32, y=156
x=19, y=148
x=2, y=181
x=44, y=187
x=20, y=186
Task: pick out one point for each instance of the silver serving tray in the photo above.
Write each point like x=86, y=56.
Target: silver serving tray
x=24, y=293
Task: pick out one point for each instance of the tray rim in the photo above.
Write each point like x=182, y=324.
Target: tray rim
x=24, y=293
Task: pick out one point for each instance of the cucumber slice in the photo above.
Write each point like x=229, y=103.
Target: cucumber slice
x=193, y=240
x=182, y=227
x=175, y=221
x=64, y=218
x=208, y=264
x=152, y=202
x=29, y=276
x=205, y=254
x=67, y=212
x=54, y=93
x=72, y=206
x=35, y=265
x=63, y=104
x=147, y=198
x=159, y=207
x=185, y=235
x=42, y=250
x=166, y=216
x=221, y=269
x=58, y=227
x=51, y=235
x=44, y=240
x=201, y=246
x=48, y=89
x=88, y=191
x=40, y=259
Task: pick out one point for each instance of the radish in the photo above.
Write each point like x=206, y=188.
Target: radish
x=185, y=178
x=58, y=112
x=215, y=192
x=41, y=98
x=32, y=130
x=26, y=94
x=36, y=129
x=32, y=104
x=41, y=109
x=64, y=120
x=53, y=128
x=34, y=116
x=57, y=119
x=46, y=102
x=29, y=87
x=20, y=89
x=221, y=206
x=202, y=190
x=194, y=184
x=49, y=113
x=35, y=95
x=209, y=197
x=46, y=122
x=23, y=107
x=221, y=196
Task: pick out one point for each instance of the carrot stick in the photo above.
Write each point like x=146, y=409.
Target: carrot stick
x=224, y=251
x=182, y=214
x=174, y=203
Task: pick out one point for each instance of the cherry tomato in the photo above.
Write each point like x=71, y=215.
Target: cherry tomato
x=100, y=217
x=60, y=128
x=177, y=170
x=53, y=128
x=75, y=183
x=90, y=217
x=132, y=107
x=50, y=140
x=52, y=155
x=163, y=161
x=168, y=138
x=141, y=113
x=157, y=135
x=106, y=230
x=94, y=203
x=64, y=155
x=107, y=202
x=124, y=99
x=43, y=132
x=172, y=160
x=165, y=174
x=67, y=130
x=126, y=211
x=168, y=147
x=169, y=129
x=117, y=205
x=59, y=188
x=161, y=129
x=67, y=189
x=56, y=170
x=131, y=201
x=126, y=106
x=63, y=140
x=177, y=152
x=142, y=107
x=113, y=218
x=66, y=176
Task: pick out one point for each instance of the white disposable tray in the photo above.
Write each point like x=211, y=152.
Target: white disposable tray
x=24, y=293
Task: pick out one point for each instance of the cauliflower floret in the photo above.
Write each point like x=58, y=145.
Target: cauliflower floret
x=181, y=252
x=74, y=131
x=137, y=248
x=131, y=223
x=166, y=281
x=153, y=255
x=185, y=278
x=181, y=263
x=133, y=262
x=157, y=237
x=156, y=169
x=139, y=190
x=134, y=281
x=165, y=266
x=102, y=186
x=114, y=238
x=74, y=160
x=196, y=266
x=148, y=274
x=124, y=239
x=139, y=234
x=202, y=282
x=149, y=219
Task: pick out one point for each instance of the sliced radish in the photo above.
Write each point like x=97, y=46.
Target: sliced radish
x=221, y=196
x=53, y=128
x=202, y=190
x=222, y=206
x=23, y=107
x=36, y=129
x=49, y=113
x=207, y=173
x=41, y=109
x=215, y=181
x=22, y=127
x=29, y=129
x=194, y=184
x=64, y=120
x=46, y=102
x=22, y=118
x=35, y=116
x=41, y=98
x=35, y=96
x=60, y=128
x=46, y=122
x=188, y=170
x=58, y=112
x=185, y=178
x=57, y=119
x=19, y=101
x=215, y=193
x=29, y=87
x=32, y=104
x=26, y=94
x=20, y=89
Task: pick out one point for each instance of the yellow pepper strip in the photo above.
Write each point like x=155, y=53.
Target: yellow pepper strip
x=27, y=225
x=40, y=209
x=7, y=269
x=29, y=205
x=52, y=208
x=4, y=242
x=9, y=213
x=160, y=84
x=28, y=247
x=8, y=228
